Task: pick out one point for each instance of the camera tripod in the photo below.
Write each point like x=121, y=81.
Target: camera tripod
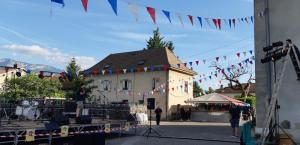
x=151, y=130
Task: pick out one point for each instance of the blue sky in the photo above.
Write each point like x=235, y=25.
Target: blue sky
x=29, y=33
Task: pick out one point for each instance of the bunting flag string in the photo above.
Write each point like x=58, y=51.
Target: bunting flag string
x=180, y=19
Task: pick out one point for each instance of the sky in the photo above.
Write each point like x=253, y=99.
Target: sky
x=41, y=32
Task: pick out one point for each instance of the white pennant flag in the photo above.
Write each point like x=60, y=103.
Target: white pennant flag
x=208, y=22
x=180, y=19
x=103, y=72
x=134, y=9
x=145, y=69
x=245, y=53
x=124, y=70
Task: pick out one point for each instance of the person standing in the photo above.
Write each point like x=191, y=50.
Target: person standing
x=79, y=101
x=188, y=114
x=158, y=112
x=235, y=112
x=182, y=114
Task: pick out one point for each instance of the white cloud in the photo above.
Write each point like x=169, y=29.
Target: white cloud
x=53, y=55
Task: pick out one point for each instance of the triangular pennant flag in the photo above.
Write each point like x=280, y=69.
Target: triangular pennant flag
x=59, y=2
x=191, y=19
x=200, y=21
x=240, y=64
x=167, y=14
x=124, y=71
x=133, y=8
x=228, y=69
x=216, y=75
x=209, y=77
x=215, y=22
x=233, y=21
x=178, y=65
x=191, y=63
x=145, y=69
x=197, y=62
x=251, y=18
x=225, y=21
x=180, y=19
x=242, y=19
x=110, y=72
x=114, y=5
x=132, y=70
x=238, y=55
x=244, y=53
x=250, y=62
x=224, y=57
x=246, y=20
x=200, y=81
x=251, y=52
x=204, y=61
x=219, y=23
x=151, y=68
x=208, y=22
x=103, y=72
x=230, y=23
x=151, y=12
x=217, y=59
x=85, y=4
x=184, y=64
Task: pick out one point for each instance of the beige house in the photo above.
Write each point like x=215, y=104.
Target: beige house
x=8, y=73
x=132, y=77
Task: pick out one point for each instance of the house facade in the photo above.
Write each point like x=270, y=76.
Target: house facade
x=8, y=73
x=133, y=77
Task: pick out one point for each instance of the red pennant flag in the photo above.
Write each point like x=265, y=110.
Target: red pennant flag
x=85, y=4
x=217, y=58
x=95, y=72
x=151, y=12
x=166, y=67
x=219, y=23
x=233, y=21
x=215, y=22
x=197, y=62
x=238, y=55
x=191, y=19
x=200, y=81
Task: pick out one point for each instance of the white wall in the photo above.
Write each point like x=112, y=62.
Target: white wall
x=284, y=24
x=10, y=74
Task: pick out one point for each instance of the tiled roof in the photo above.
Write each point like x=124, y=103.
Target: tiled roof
x=141, y=59
x=230, y=90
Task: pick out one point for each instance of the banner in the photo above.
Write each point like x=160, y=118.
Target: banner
x=107, y=128
x=64, y=131
x=30, y=133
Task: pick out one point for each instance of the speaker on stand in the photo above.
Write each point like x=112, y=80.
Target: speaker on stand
x=150, y=107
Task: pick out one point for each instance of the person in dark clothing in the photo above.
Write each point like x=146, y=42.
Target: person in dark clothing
x=80, y=100
x=182, y=114
x=158, y=112
x=188, y=114
x=235, y=112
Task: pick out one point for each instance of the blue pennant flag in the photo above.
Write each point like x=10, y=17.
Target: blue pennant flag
x=209, y=77
x=228, y=69
x=151, y=68
x=200, y=20
x=59, y=1
x=191, y=63
x=251, y=52
x=167, y=13
x=110, y=72
x=230, y=23
x=251, y=19
x=114, y=5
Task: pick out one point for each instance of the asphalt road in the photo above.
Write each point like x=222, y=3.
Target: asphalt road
x=182, y=133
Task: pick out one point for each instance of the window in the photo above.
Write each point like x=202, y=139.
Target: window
x=155, y=83
x=126, y=85
x=105, y=85
x=186, y=86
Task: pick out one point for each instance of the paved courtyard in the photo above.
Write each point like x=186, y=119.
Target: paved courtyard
x=173, y=132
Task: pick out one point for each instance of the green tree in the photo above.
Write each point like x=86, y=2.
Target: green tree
x=197, y=90
x=157, y=42
x=74, y=80
x=31, y=86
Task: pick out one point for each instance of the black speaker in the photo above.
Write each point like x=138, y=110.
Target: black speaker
x=151, y=103
x=84, y=119
x=51, y=126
